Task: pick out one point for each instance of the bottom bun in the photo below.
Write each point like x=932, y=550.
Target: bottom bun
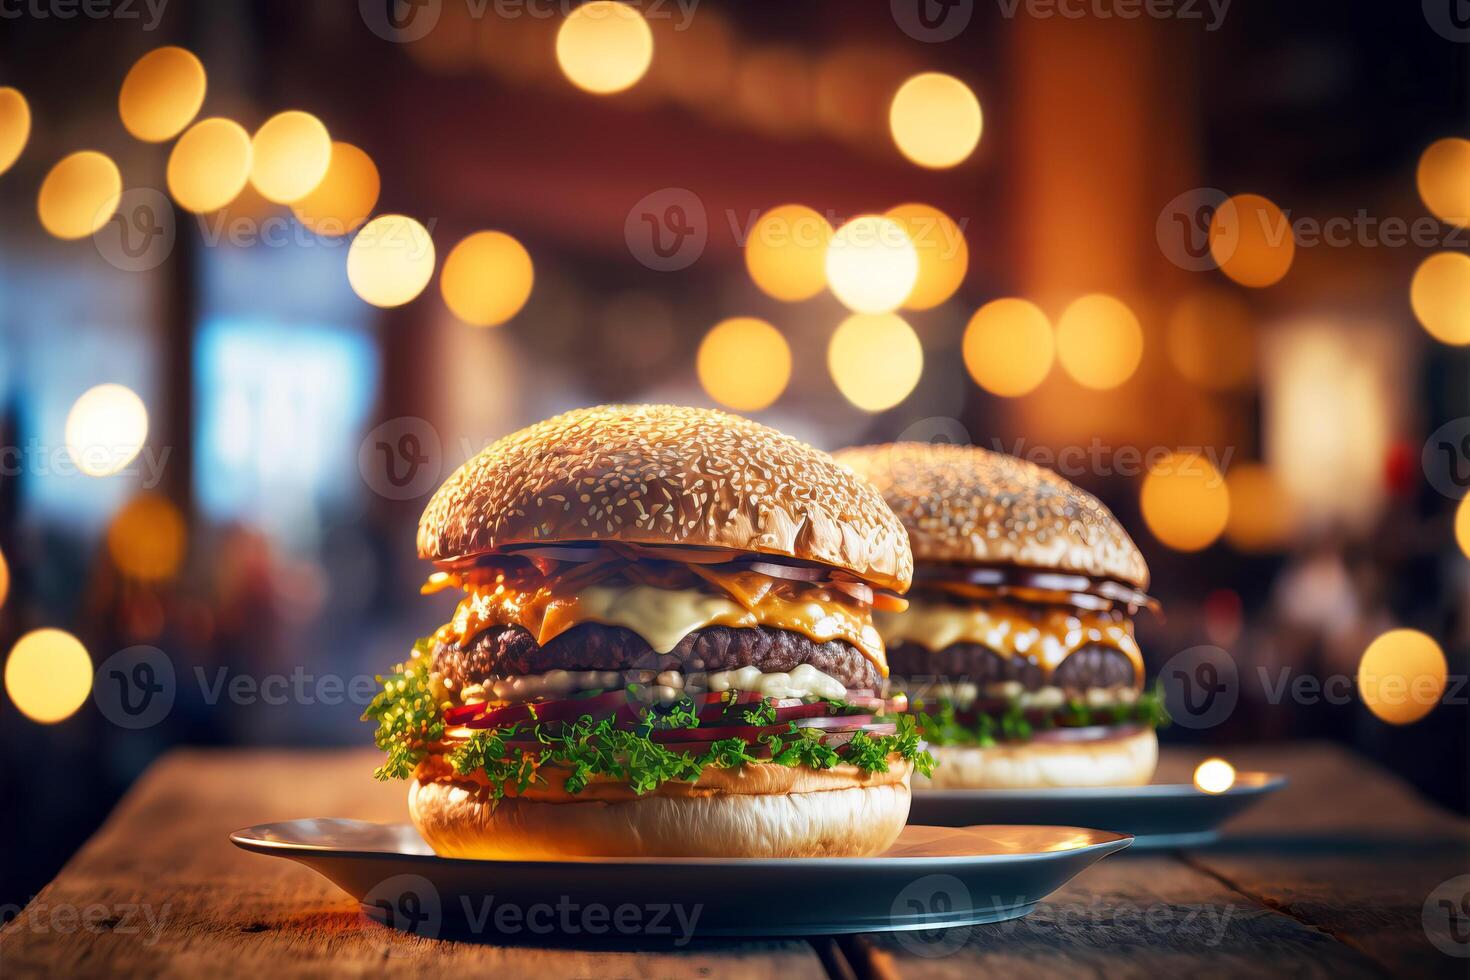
x=464, y=820
x=1124, y=759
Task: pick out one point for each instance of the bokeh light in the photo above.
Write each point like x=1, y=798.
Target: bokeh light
x=1251, y=240
x=935, y=120
x=1009, y=347
x=79, y=195
x=1444, y=180
x=604, y=47
x=15, y=126
x=48, y=675
x=161, y=94
x=209, y=165
x=1214, y=776
x=1185, y=501
x=487, y=278
x=944, y=256
x=875, y=359
x=1440, y=296
x=1402, y=676
x=345, y=197
x=786, y=253
x=106, y=429
x=744, y=363
x=871, y=264
x=1462, y=529
x=4, y=579
x=391, y=260
x=1211, y=340
x=1099, y=341
x=1262, y=514
x=147, y=537
x=289, y=156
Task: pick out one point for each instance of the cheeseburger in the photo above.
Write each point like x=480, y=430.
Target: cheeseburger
x=1017, y=649
x=663, y=646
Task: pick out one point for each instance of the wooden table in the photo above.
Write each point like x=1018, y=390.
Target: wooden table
x=1330, y=878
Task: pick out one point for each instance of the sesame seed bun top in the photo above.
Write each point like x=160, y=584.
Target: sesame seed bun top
x=969, y=505
x=665, y=475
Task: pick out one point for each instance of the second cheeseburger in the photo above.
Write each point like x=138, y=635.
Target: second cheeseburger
x=1017, y=649
x=663, y=647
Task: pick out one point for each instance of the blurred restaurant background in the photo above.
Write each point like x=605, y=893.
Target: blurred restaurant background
x=1209, y=260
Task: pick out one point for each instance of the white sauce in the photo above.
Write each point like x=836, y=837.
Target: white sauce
x=804, y=680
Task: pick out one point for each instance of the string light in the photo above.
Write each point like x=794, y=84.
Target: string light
x=1008, y=347
x=944, y=257
x=604, y=47
x=1185, y=501
x=935, y=120
x=871, y=264
x=209, y=165
x=1211, y=341
x=391, y=260
x=1214, y=776
x=1444, y=180
x=79, y=195
x=1262, y=516
x=1099, y=341
x=161, y=94
x=1440, y=296
x=289, y=156
x=744, y=364
x=1251, y=240
x=487, y=278
x=345, y=197
x=1462, y=528
x=105, y=429
x=48, y=675
x=146, y=538
x=786, y=252
x=1401, y=676
x=15, y=126
x=875, y=359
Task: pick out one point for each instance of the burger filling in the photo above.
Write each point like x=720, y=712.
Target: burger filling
x=1004, y=670
x=569, y=668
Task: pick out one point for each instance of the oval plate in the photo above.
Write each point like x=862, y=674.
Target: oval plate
x=1158, y=816
x=932, y=878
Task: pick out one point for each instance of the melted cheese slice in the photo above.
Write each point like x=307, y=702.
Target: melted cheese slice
x=1048, y=634
x=663, y=617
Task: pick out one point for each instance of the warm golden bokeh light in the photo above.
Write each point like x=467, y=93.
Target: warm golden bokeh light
x=1402, y=676
x=871, y=264
x=48, y=675
x=391, y=260
x=106, y=429
x=1251, y=240
x=1211, y=340
x=1099, y=341
x=744, y=364
x=1214, y=776
x=146, y=538
x=161, y=94
x=487, y=278
x=1440, y=296
x=1462, y=529
x=15, y=126
x=289, y=156
x=1444, y=180
x=604, y=47
x=209, y=165
x=875, y=359
x=345, y=197
x=786, y=253
x=944, y=256
x=79, y=195
x=1185, y=501
x=4, y=579
x=1009, y=347
x=935, y=120
x=1262, y=515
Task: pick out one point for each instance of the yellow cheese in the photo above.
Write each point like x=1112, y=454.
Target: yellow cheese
x=1047, y=634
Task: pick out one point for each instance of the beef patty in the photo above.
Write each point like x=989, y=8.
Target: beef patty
x=1088, y=666
x=510, y=650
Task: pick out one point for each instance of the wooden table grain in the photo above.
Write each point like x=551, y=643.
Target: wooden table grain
x=1330, y=877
